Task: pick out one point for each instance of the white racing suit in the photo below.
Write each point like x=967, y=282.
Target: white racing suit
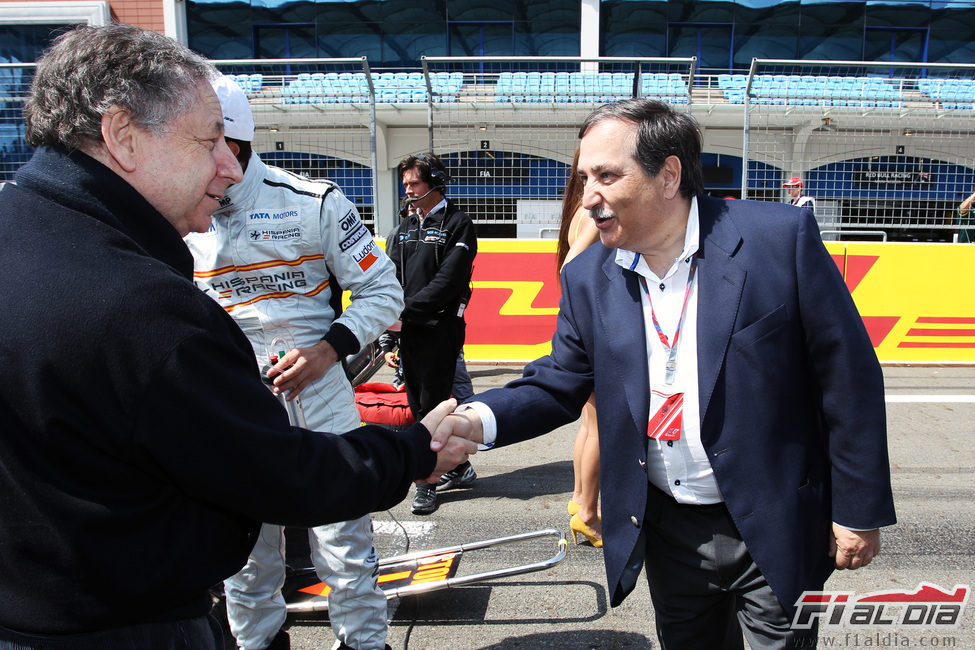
x=274, y=258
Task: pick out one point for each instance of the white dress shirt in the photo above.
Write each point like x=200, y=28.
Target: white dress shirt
x=681, y=467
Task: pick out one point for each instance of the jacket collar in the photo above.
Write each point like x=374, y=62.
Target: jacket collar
x=245, y=192
x=78, y=182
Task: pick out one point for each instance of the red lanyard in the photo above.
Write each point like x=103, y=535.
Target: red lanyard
x=671, y=346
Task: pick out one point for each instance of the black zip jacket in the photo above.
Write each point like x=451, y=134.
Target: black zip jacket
x=434, y=263
x=139, y=450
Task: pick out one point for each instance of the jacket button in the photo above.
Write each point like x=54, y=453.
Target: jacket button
x=635, y=521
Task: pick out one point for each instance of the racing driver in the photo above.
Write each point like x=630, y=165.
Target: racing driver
x=277, y=256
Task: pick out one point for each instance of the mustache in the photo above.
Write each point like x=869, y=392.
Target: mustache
x=600, y=212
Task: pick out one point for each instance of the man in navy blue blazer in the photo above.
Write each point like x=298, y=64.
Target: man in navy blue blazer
x=741, y=404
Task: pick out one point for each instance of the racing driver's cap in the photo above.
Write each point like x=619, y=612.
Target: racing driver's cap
x=238, y=121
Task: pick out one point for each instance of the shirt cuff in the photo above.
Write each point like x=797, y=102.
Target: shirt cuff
x=852, y=529
x=489, y=424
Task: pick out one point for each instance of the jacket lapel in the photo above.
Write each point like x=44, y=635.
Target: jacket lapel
x=619, y=314
x=720, y=283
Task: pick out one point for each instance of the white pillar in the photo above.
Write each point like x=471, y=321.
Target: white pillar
x=386, y=200
x=174, y=20
x=589, y=32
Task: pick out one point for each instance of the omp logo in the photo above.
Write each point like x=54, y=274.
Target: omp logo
x=927, y=606
x=349, y=222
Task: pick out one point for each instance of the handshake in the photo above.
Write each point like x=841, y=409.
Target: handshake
x=453, y=436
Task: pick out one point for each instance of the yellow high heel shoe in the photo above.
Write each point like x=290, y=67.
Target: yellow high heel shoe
x=577, y=525
x=573, y=507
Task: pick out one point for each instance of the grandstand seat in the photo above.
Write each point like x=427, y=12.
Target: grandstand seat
x=735, y=96
x=456, y=82
x=255, y=82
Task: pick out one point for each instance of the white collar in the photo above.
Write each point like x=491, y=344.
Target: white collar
x=630, y=259
x=436, y=208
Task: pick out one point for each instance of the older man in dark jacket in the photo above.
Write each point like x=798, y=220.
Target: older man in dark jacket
x=140, y=451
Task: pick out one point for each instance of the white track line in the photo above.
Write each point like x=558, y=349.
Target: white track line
x=415, y=529
x=942, y=399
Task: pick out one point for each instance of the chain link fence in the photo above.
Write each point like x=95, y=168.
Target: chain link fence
x=315, y=117
x=509, y=134
x=881, y=147
x=15, y=81
x=885, y=149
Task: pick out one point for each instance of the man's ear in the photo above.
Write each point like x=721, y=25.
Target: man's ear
x=671, y=174
x=234, y=147
x=121, y=137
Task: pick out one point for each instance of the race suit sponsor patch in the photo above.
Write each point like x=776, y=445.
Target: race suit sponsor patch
x=274, y=225
x=274, y=282
x=365, y=254
x=275, y=234
x=435, y=235
x=350, y=222
x=354, y=237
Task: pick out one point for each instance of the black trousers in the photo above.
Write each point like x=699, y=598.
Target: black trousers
x=202, y=633
x=429, y=354
x=705, y=587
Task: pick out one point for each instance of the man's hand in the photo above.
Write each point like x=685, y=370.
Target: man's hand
x=301, y=366
x=465, y=424
x=452, y=449
x=391, y=359
x=853, y=549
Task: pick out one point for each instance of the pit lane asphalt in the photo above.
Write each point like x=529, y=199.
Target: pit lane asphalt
x=931, y=437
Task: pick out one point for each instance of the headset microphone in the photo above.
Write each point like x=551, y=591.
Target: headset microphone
x=413, y=199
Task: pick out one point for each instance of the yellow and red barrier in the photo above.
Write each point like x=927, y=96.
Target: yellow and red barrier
x=917, y=300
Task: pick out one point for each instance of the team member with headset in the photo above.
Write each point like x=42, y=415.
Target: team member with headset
x=433, y=249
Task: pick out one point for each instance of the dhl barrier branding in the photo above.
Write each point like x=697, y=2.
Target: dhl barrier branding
x=917, y=301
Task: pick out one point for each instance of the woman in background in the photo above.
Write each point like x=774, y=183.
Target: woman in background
x=576, y=233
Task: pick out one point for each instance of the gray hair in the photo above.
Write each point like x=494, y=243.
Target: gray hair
x=88, y=70
x=661, y=132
